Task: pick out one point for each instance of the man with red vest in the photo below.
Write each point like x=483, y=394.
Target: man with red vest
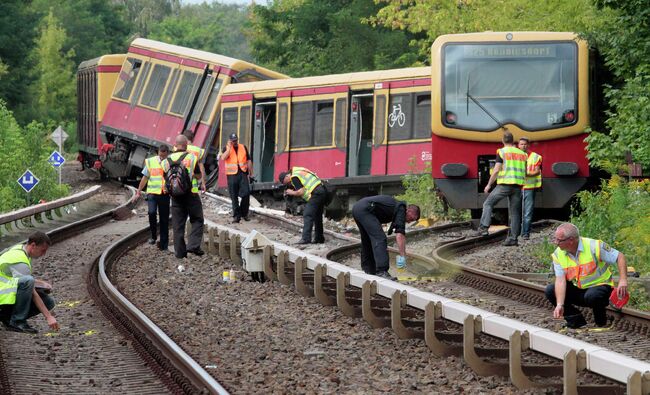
x=532, y=183
x=153, y=177
x=238, y=170
x=509, y=174
x=583, y=276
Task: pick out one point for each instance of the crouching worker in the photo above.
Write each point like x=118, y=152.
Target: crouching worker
x=583, y=276
x=21, y=295
x=370, y=213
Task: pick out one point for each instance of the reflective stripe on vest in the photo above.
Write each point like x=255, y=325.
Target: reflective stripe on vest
x=588, y=271
x=308, y=179
x=156, y=176
x=198, y=152
x=8, y=283
x=513, y=171
x=236, y=160
x=533, y=163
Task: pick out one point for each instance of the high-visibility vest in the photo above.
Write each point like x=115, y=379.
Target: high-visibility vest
x=513, y=171
x=8, y=283
x=156, y=176
x=189, y=162
x=198, y=152
x=534, y=161
x=589, y=270
x=308, y=179
x=236, y=160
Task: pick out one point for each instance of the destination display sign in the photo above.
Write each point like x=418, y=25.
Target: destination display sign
x=509, y=51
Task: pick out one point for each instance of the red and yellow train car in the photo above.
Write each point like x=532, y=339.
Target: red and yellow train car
x=95, y=81
x=162, y=90
x=358, y=130
x=535, y=84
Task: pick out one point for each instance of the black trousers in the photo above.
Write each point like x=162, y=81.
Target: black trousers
x=595, y=297
x=182, y=208
x=313, y=216
x=374, y=246
x=159, y=204
x=238, y=186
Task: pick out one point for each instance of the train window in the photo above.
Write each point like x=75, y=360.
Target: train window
x=323, y=123
x=127, y=77
x=245, y=125
x=209, y=107
x=169, y=92
x=400, y=117
x=185, y=89
x=140, y=84
x=422, y=116
x=283, y=111
x=228, y=124
x=339, y=128
x=197, y=113
x=380, y=119
x=301, y=125
x=156, y=85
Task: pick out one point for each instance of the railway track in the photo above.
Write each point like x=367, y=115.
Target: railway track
x=116, y=350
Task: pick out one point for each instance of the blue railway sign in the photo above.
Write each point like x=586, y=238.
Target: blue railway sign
x=28, y=181
x=56, y=159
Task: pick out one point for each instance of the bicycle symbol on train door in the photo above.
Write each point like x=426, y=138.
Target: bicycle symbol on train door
x=396, y=116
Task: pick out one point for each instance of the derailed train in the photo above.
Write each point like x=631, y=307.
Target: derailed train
x=361, y=131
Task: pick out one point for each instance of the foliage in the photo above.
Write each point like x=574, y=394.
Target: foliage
x=22, y=148
x=432, y=18
x=542, y=253
x=313, y=37
x=624, y=42
x=215, y=27
x=142, y=15
x=619, y=214
x=53, y=92
x=419, y=189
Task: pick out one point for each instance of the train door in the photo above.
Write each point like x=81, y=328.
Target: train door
x=360, y=143
x=263, y=146
x=378, y=162
x=281, y=160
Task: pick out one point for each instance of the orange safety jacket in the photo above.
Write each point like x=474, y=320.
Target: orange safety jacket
x=236, y=159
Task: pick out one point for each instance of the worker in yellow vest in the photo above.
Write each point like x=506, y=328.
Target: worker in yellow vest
x=532, y=183
x=153, y=176
x=509, y=174
x=305, y=184
x=238, y=171
x=200, y=155
x=21, y=295
x=583, y=276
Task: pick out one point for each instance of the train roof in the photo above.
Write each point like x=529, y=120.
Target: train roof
x=104, y=60
x=501, y=36
x=209, y=57
x=332, y=79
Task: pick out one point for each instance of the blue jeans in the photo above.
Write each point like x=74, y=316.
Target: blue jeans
x=513, y=193
x=528, y=207
x=25, y=307
x=159, y=204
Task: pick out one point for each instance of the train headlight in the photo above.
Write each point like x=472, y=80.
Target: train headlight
x=569, y=116
x=450, y=118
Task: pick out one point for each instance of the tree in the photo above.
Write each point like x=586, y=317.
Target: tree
x=216, y=28
x=143, y=14
x=53, y=92
x=310, y=37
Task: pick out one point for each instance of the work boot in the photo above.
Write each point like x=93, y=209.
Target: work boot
x=152, y=241
x=480, y=232
x=303, y=242
x=22, y=327
x=246, y=218
x=198, y=252
x=510, y=243
x=386, y=275
x=575, y=321
x=236, y=220
x=526, y=237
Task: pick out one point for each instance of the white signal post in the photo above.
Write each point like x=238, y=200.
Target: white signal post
x=59, y=136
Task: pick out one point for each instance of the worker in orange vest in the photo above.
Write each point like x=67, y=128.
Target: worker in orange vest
x=238, y=170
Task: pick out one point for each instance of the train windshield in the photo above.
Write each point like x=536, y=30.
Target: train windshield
x=533, y=86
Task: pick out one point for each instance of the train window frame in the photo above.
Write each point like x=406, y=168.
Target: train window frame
x=245, y=124
x=212, y=100
x=134, y=78
x=175, y=102
x=424, y=111
x=169, y=92
x=226, y=130
x=340, y=123
x=158, y=88
x=283, y=123
x=305, y=138
x=139, y=86
x=323, y=127
x=201, y=100
x=379, y=119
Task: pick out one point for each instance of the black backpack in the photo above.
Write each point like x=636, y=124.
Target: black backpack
x=177, y=179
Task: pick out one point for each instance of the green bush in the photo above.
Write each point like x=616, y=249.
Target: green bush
x=419, y=189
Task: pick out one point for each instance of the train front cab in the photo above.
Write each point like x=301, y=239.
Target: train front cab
x=357, y=130
x=95, y=81
x=543, y=78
